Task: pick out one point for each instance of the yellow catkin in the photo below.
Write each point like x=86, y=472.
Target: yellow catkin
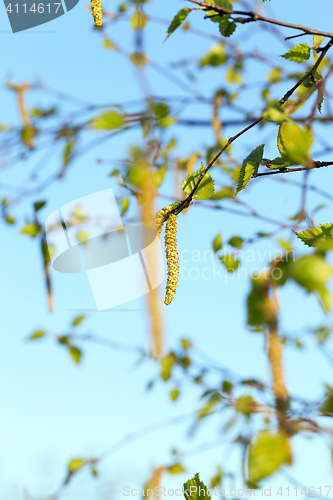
x=154, y=480
x=96, y=7
x=156, y=326
x=172, y=258
x=274, y=352
x=160, y=218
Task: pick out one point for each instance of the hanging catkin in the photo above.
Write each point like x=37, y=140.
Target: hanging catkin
x=172, y=258
x=160, y=218
x=96, y=7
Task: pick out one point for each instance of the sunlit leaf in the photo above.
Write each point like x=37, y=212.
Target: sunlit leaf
x=206, y=187
x=178, y=20
x=267, y=453
x=299, y=53
x=250, y=166
x=108, y=121
x=294, y=143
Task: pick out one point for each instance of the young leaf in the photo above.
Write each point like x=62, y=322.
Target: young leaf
x=206, y=187
x=217, y=243
x=38, y=205
x=294, y=143
x=75, y=464
x=266, y=454
x=236, y=241
x=75, y=354
x=124, y=204
x=37, y=335
x=31, y=229
x=178, y=20
x=226, y=28
x=299, y=53
x=223, y=3
x=255, y=304
x=317, y=40
x=214, y=57
x=176, y=469
x=230, y=262
x=318, y=236
x=249, y=167
x=174, y=394
x=311, y=272
x=78, y=320
x=108, y=121
x=195, y=489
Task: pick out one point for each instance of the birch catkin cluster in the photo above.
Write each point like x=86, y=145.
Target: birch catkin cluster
x=170, y=240
x=96, y=7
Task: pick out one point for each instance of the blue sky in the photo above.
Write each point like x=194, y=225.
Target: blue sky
x=53, y=410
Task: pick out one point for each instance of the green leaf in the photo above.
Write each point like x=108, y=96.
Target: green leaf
x=250, y=166
x=206, y=187
x=10, y=219
x=255, y=304
x=274, y=114
x=176, y=469
x=138, y=59
x=236, y=241
x=308, y=83
x=322, y=333
x=318, y=236
x=267, y=453
x=317, y=40
x=108, y=44
x=321, y=96
x=38, y=205
x=226, y=28
x=68, y=152
x=217, y=479
x=214, y=57
x=174, y=394
x=178, y=20
x=37, y=335
x=166, y=366
x=299, y=53
x=75, y=354
x=279, y=163
x=31, y=229
x=192, y=487
x=226, y=192
x=230, y=262
x=75, y=464
x=217, y=243
x=108, y=121
x=78, y=320
x=294, y=143
x=311, y=272
x=78, y=216
x=138, y=20
x=124, y=204
x=274, y=76
x=233, y=75
x=82, y=237
x=246, y=405
x=223, y=3
x=327, y=407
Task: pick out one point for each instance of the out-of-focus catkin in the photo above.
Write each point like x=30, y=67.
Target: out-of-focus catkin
x=96, y=7
x=156, y=326
x=172, y=258
x=155, y=480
